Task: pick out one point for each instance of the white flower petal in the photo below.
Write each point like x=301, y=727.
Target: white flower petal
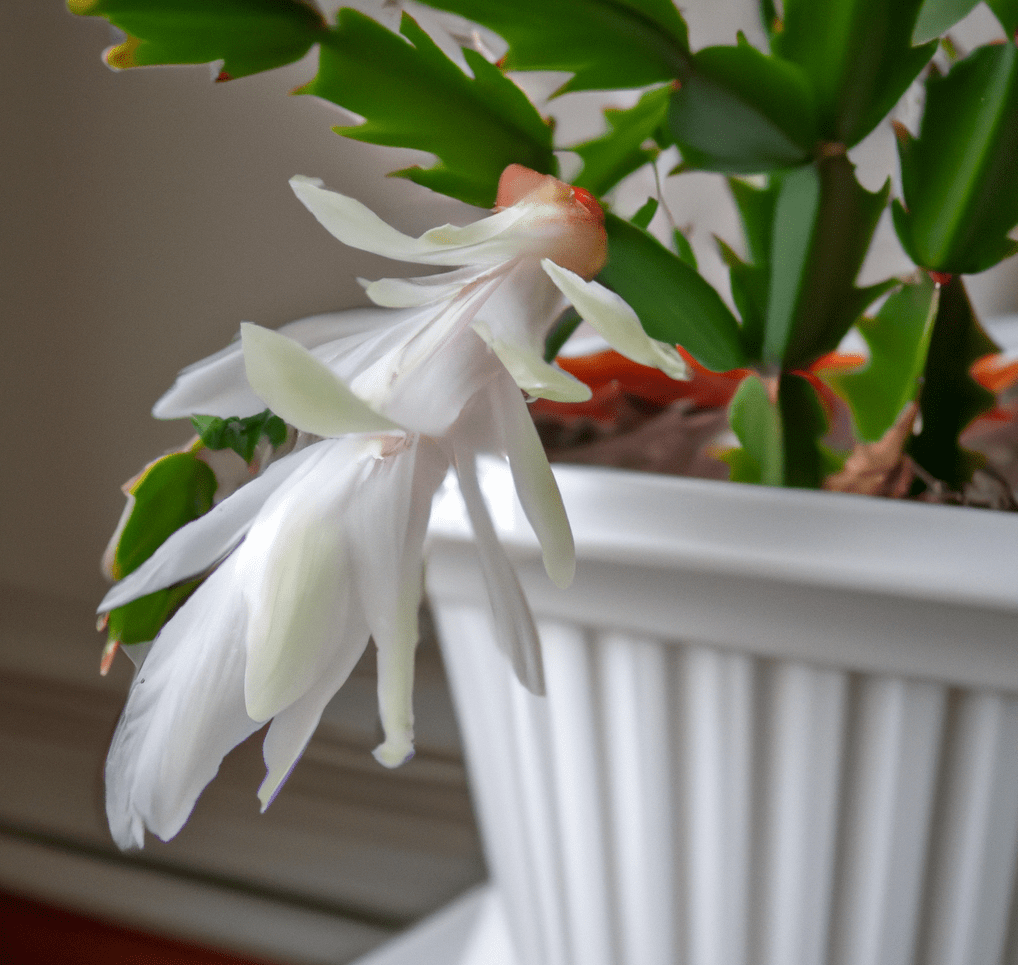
x=514, y=627
x=530, y=371
x=185, y=712
x=547, y=223
x=292, y=727
x=301, y=390
x=201, y=544
x=616, y=321
x=482, y=242
x=413, y=292
x=298, y=577
x=535, y=485
x=388, y=528
x=218, y=384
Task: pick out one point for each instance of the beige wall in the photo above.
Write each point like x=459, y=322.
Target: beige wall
x=145, y=215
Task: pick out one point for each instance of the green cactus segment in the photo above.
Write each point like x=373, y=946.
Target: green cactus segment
x=411, y=95
x=898, y=338
x=756, y=422
x=169, y=494
x=823, y=222
x=750, y=280
x=950, y=399
x=141, y=620
x=936, y=17
x=858, y=58
x=605, y=44
x=240, y=435
x=804, y=424
x=959, y=175
x=1006, y=11
x=621, y=151
x=674, y=304
x=740, y=111
x=248, y=36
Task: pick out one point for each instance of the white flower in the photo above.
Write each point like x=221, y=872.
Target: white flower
x=324, y=548
x=331, y=557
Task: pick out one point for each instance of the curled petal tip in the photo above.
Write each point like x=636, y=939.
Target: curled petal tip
x=394, y=752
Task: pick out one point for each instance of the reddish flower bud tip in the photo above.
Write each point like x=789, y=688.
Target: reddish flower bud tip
x=583, y=197
x=223, y=76
x=940, y=277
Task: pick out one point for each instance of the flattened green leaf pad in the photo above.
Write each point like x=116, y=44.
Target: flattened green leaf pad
x=898, y=338
x=674, y=304
x=609, y=158
x=959, y=176
x=740, y=111
x=170, y=493
x=247, y=35
x=411, y=95
x=607, y=44
x=756, y=422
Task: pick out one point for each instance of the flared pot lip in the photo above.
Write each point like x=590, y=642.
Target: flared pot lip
x=892, y=547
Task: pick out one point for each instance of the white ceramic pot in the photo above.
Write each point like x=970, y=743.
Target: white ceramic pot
x=781, y=727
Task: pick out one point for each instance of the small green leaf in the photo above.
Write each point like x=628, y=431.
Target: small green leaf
x=248, y=36
x=168, y=494
x=413, y=96
x=749, y=292
x=950, y=399
x=684, y=249
x=606, y=44
x=959, y=176
x=645, y=215
x=613, y=156
x=823, y=222
x=858, y=57
x=756, y=211
x=141, y=620
x=898, y=338
x=756, y=422
x=936, y=17
x=240, y=435
x=674, y=304
x=740, y=111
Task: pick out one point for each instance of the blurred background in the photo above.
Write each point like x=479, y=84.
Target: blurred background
x=145, y=215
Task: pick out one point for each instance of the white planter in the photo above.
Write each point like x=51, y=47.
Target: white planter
x=781, y=727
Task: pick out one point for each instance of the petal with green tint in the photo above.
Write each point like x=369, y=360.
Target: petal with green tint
x=303, y=391
x=616, y=322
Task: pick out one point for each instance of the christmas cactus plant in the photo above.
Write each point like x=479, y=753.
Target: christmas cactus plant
x=262, y=557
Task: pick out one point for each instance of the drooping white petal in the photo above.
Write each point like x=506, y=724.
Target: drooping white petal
x=388, y=526
x=487, y=241
x=184, y=713
x=292, y=727
x=535, y=485
x=202, y=543
x=616, y=322
x=412, y=292
x=218, y=384
x=299, y=577
x=514, y=627
x=531, y=373
x=301, y=390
